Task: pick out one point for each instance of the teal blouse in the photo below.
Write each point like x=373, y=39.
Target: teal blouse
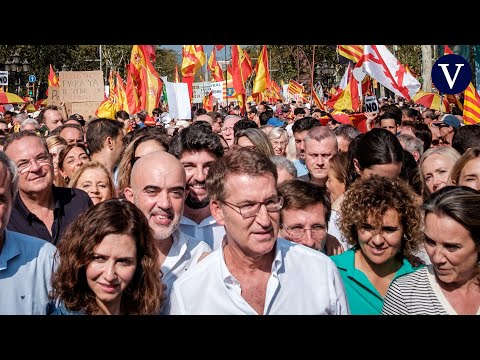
x=362, y=297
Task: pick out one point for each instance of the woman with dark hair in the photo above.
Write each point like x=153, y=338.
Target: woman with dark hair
x=70, y=158
x=108, y=264
x=377, y=152
x=451, y=284
x=147, y=140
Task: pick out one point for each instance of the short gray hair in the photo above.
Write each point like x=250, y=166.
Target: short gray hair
x=411, y=143
x=27, y=122
x=12, y=170
x=281, y=162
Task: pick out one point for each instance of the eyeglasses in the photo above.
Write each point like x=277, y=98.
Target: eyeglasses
x=297, y=232
x=440, y=141
x=225, y=128
x=279, y=143
x=251, y=210
x=440, y=125
x=40, y=160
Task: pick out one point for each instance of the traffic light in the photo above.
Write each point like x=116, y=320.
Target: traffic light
x=31, y=90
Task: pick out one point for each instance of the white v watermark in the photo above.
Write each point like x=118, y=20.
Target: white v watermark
x=450, y=81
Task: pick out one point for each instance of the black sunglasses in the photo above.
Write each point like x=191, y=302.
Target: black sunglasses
x=441, y=125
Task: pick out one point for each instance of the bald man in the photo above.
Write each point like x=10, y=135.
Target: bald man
x=204, y=117
x=227, y=129
x=158, y=188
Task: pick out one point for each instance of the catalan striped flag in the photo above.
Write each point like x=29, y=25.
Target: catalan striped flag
x=316, y=101
x=295, y=88
x=471, y=106
x=351, y=52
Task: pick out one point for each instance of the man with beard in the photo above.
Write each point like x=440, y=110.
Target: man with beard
x=157, y=187
x=197, y=148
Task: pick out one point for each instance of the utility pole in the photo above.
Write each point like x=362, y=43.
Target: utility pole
x=427, y=67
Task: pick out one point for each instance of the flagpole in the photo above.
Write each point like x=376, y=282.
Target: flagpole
x=226, y=77
x=313, y=69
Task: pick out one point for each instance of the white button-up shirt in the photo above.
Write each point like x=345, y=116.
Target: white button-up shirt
x=302, y=281
x=208, y=230
x=183, y=254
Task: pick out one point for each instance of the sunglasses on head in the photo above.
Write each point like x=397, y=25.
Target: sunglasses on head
x=441, y=125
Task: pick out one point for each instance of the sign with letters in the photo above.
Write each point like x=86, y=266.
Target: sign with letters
x=371, y=104
x=3, y=78
x=81, y=86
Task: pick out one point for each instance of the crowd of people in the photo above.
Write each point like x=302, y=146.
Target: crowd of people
x=273, y=209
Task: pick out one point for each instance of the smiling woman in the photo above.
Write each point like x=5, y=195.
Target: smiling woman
x=380, y=219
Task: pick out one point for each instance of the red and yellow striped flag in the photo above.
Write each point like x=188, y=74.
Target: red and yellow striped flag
x=121, y=94
x=214, y=67
x=471, y=106
x=52, y=77
x=241, y=68
x=208, y=101
x=351, y=52
x=348, y=98
x=193, y=58
x=316, y=101
x=295, y=88
x=262, y=77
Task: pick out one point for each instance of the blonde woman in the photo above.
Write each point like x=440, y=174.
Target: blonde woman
x=55, y=144
x=435, y=166
x=94, y=178
x=466, y=170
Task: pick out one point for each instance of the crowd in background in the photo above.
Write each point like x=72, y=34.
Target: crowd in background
x=273, y=209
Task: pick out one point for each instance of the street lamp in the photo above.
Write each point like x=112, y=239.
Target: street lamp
x=17, y=67
x=328, y=72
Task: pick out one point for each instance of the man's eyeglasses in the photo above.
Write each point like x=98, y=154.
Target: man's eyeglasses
x=40, y=160
x=251, y=210
x=440, y=141
x=297, y=232
x=225, y=128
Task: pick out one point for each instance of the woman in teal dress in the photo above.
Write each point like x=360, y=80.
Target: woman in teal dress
x=380, y=219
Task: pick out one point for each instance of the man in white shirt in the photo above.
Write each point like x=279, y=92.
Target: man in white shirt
x=197, y=148
x=253, y=272
x=158, y=189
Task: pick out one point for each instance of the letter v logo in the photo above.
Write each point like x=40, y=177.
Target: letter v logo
x=442, y=72
x=450, y=81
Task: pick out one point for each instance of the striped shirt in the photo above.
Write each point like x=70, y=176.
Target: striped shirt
x=417, y=293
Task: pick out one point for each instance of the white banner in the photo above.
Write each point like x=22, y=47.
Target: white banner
x=178, y=100
x=200, y=90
